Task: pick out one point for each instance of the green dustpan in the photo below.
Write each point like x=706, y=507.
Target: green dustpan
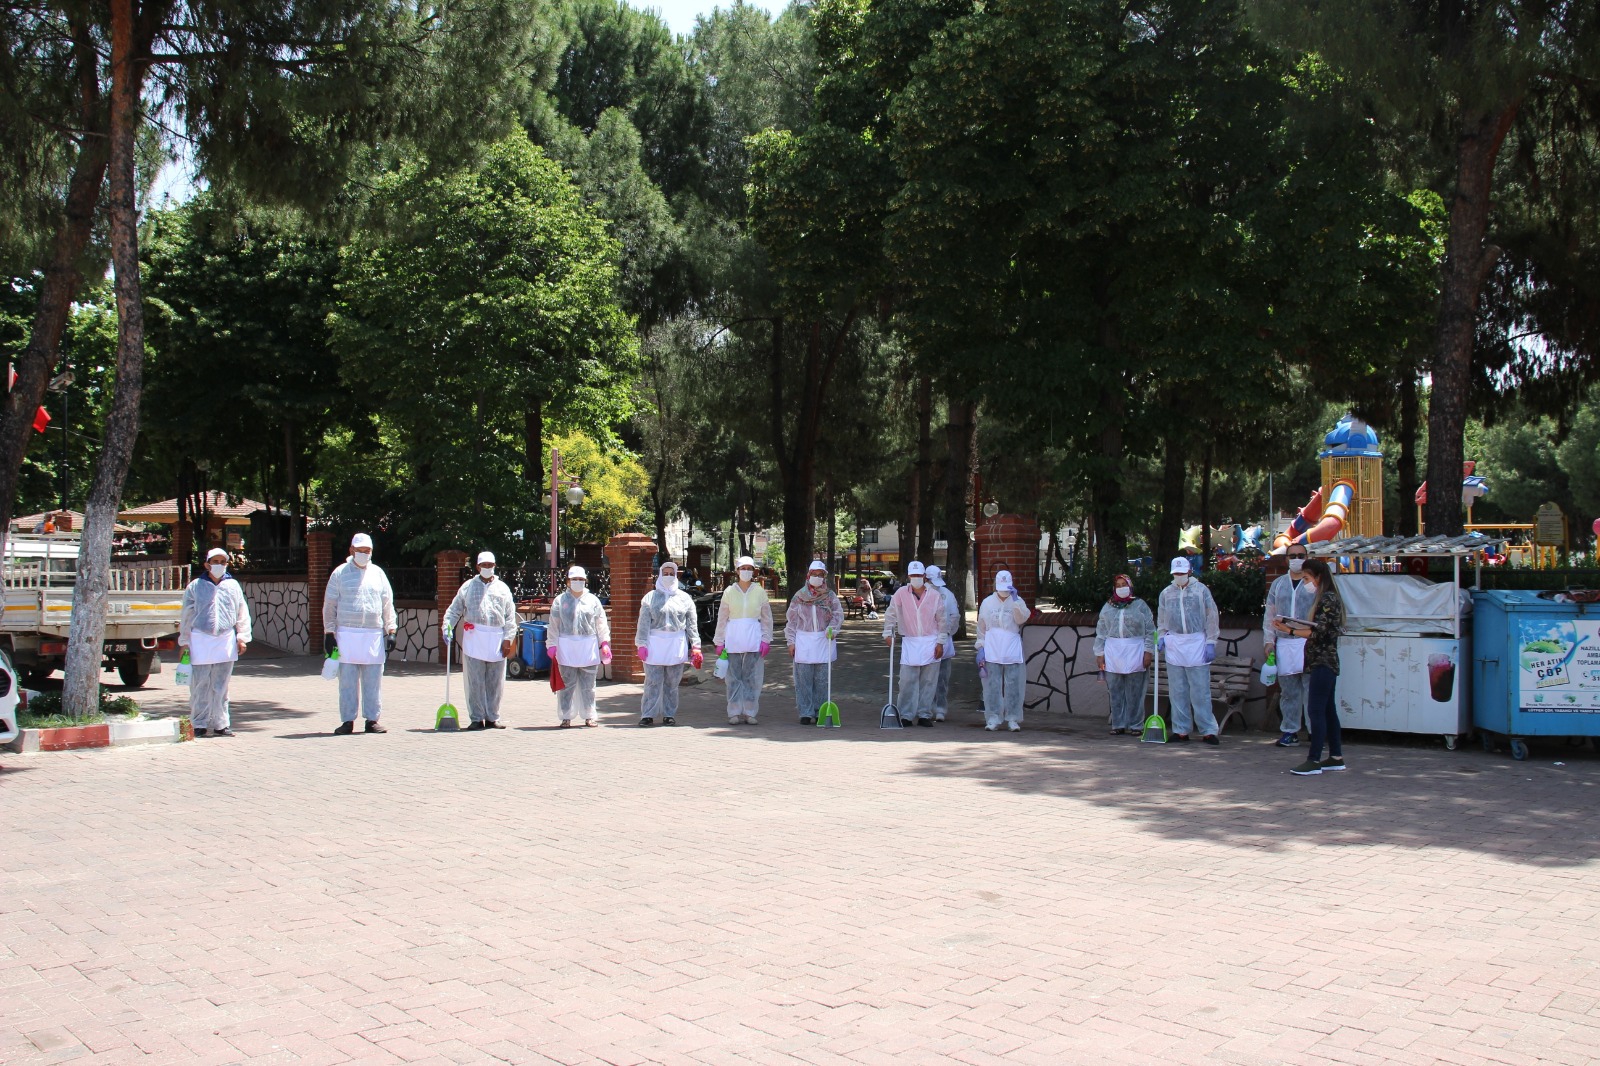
x=448, y=719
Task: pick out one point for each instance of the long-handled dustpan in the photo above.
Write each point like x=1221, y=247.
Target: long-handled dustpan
x=828, y=713
x=889, y=717
x=1155, y=727
x=448, y=720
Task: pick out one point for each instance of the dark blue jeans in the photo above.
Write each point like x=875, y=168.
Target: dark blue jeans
x=1322, y=712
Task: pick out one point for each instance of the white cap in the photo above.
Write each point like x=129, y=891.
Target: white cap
x=360, y=540
x=935, y=576
x=214, y=552
x=817, y=564
x=1180, y=565
x=486, y=557
x=577, y=572
x=744, y=561
x=1002, y=580
x=914, y=568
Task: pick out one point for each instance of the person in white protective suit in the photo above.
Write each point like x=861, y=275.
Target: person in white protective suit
x=1289, y=597
x=1187, y=627
x=1001, y=616
x=668, y=636
x=744, y=630
x=947, y=662
x=579, y=639
x=916, y=613
x=358, y=614
x=486, y=614
x=1124, y=646
x=215, y=626
x=811, y=629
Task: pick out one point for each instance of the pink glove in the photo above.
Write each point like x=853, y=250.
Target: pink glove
x=644, y=653
x=550, y=649
x=719, y=651
x=765, y=647
x=697, y=659
x=605, y=653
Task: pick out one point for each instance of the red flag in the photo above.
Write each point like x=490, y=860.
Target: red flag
x=41, y=420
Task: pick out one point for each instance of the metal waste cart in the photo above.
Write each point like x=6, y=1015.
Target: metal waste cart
x=1537, y=668
x=1406, y=638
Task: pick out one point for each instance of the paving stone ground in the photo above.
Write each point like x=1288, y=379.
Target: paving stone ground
x=711, y=894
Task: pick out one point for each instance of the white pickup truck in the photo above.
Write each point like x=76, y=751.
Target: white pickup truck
x=142, y=608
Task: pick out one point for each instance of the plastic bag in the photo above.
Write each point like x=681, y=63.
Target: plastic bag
x=330, y=666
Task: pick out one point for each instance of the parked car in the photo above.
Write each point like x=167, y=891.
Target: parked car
x=10, y=699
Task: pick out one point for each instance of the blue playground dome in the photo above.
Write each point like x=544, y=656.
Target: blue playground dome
x=1351, y=437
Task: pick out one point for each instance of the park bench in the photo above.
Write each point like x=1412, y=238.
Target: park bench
x=1230, y=680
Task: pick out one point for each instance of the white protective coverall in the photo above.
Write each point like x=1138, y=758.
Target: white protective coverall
x=952, y=622
x=744, y=630
x=358, y=609
x=920, y=622
x=1186, y=621
x=811, y=614
x=484, y=613
x=999, y=645
x=1289, y=597
x=670, y=635
x=578, y=626
x=215, y=618
x=1123, y=634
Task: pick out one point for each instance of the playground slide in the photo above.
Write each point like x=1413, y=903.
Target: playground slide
x=1316, y=521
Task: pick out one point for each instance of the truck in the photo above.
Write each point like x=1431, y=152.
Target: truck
x=144, y=601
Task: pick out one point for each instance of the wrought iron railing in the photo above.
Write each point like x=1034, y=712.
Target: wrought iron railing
x=289, y=559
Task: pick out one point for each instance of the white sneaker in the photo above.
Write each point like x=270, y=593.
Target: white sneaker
x=938, y=718
x=1014, y=727
x=989, y=727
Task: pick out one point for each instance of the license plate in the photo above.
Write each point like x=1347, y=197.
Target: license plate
x=121, y=647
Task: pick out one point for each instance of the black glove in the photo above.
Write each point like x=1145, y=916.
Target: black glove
x=388, y=644
x=329, y=643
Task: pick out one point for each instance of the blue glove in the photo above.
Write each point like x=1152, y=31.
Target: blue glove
x=1161, y=642
x=981, y=657
x=1211, y=653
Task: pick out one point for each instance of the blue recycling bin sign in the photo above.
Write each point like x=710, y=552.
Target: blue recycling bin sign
x=1536, y=667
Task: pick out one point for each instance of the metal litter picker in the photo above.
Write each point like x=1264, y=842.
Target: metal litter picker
x=447, y=720
x=889, y=717
x=1155, y=727
x=828, y=713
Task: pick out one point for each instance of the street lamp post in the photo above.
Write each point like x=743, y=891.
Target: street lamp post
x=553, y=501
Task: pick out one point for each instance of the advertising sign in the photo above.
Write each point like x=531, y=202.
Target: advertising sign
x=1558, y=664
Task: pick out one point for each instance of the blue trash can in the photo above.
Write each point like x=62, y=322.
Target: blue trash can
x=1536, y=668
x=534, y=650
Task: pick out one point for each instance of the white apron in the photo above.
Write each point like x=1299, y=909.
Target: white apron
x=743, y=635
x=1124, y=655
x=1186, y=649
x=578, y=651
x=667, y=647
x=1002, y=647
x=814, y=648
x=205, y=649
x=918, y=651
x=1291, y=656
x=360, y=647
x=481, y=642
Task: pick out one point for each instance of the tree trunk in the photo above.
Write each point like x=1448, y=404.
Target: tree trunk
x=291, y=485
x=960, y=431
x=1205, y=509
x=1406, y=463
x=833, y=528
x=80, y=694
x=1468, y=260
x=533, y=444
x=1173, y=481
x=924, y=481
x=909, y=519
x=62, y=276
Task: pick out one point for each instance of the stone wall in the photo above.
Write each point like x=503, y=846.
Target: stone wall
x=279, y=612
x=416, y=637
x=1062, y=675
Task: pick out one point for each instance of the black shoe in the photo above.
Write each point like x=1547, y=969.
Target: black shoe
x=493, y=725
x=907, y=722
x=926, y=722
x=647, y=721
x=229, y=733
x=476, y=726
x=669, y=721
x=345, y=729
x=1211, y=738
x=374, y=727
x=1181, y=738
x=808, y=721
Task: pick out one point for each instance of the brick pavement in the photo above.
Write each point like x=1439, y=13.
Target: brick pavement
x=713, y=894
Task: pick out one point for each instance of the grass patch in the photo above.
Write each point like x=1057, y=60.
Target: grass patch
x=44, y=711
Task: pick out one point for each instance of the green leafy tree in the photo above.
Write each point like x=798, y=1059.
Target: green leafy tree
x=486, y=304
x=614, y=486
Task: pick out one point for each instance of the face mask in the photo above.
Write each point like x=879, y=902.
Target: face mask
x=1180, y=580
x=1123, y=592
x=998, y=591
x=576, y=587
x=486, y=572
x=816, y=582
x=361, y=559
x=1295, y=565
x=217, y=570
x=667, y=583
x=747, y=575
x=916, y=582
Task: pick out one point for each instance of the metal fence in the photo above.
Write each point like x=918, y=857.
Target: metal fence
x=279, y=560
x=531, y=581
x=413, y=582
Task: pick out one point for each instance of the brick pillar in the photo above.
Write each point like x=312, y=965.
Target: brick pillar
x=182, y=543
x=1009, y=542
x=319, y=564
x=446, y=583
x=630, y=555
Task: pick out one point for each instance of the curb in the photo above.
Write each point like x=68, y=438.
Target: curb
x=140, y=731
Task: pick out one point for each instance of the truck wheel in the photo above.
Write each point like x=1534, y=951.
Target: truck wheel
x=133, y=673
x=34, y=678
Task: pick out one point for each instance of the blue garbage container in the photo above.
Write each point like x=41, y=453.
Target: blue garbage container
x=535, y=650
x=1536, y=668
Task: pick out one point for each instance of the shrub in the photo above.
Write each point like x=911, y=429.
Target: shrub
x=44, y=711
